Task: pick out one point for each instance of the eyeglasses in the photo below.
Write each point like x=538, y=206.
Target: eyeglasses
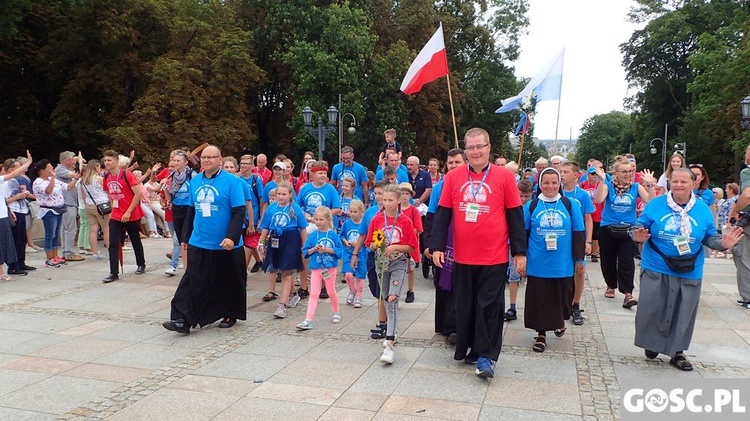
x=210, y=156
x=626, y=171
x=476, y=147
x=246, y=163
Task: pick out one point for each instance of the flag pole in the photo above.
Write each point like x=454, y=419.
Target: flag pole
x=453, y=115
x=520, y=149
x=559, y=101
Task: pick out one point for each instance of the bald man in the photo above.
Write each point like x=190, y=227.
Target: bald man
x=260, y=168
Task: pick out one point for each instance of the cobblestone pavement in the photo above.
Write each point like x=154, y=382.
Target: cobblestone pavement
x=74, y=348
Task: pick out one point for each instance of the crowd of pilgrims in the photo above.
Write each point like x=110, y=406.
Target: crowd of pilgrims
x=311, y=228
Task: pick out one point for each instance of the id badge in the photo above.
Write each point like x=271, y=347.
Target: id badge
x=682, y=245
x=274, y=243
x=472, y=212
x=206, y=209
x=551, y=241
x=115, y=203
x=325, y=273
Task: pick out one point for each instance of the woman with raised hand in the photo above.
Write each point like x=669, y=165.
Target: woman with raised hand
x=674, y=228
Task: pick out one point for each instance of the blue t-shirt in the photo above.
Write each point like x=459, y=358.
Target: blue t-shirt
x=552, y=218
x=350, y=233
x=664, y=226
x=402, y=174
x=311, y=197
x=420, y=183
x=619, y=209
x=341, y=219
x=436, y=190
x=366, y=219
x=325, y=239
x=278, y=219
x=706, y=196
x=182, y=195
x=255, y=183
x=356, y=172
x=221, y=193
x=583, y=198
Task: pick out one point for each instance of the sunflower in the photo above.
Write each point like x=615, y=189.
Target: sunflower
x=378, y=237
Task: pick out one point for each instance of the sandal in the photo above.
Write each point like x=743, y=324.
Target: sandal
x=270, y=296
x=5, y=278
x=560, y=332
x=609, y=293
x=540, y=344
x=629, y=301
x=679, y=361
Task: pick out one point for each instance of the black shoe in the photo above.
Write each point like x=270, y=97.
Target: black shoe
x=303, y=293
x=169, y=256
x=28, y=268
x=140, y=270
x=425, y=268
x=256, y=267
x=178, y=326
x=594, y=258
x=17, y=272
x=278, y=277
x=471, y=358
x=577, y=316
x=226, y=323
x=409, y=296
x=651, y=354
x=323, y=294
x=511, y=314
x=111, y=278
x=378, y=332
x=452, y=338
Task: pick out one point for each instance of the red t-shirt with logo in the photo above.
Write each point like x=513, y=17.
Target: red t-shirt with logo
x=484, y=242
x=598, y=207
x=121, y=194
x=166, y=172
x=265, y=174
x=416, y=219
x=399, y=230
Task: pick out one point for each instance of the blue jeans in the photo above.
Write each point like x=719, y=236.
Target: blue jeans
x=175, y=246
x=52, y=224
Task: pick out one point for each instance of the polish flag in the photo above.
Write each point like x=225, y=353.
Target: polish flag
x=430, y=64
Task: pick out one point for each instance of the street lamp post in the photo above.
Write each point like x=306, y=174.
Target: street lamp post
x=321, y=131
x=663, y=152
x=350, y=130
x=745, y=110
x=681, y=148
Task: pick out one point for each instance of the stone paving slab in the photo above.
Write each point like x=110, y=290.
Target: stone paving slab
x=74, y=348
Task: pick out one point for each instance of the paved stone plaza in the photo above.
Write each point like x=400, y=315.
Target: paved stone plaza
x=74, y=348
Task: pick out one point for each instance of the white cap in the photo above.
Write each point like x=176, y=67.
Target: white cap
x=280, y=165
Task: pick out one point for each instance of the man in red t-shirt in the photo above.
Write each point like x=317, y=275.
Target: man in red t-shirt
x=125, y=196
x=485, y=205
x=260, y=168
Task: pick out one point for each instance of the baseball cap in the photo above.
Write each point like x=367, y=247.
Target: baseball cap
x=280, y=165
x=591, y=170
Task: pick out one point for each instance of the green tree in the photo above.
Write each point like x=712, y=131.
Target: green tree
x=605, y=135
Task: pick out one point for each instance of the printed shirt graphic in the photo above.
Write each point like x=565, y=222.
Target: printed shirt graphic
x=484, y=242
x=182, y=195
x=356, y=172
x=590, y=188
x=311, y=197
x=619, y=209
x=278, y=219
x=120, y=190
x=325, y=239
x=552, y=218
x=220, y=194
x=350, y=233
x=664, y=226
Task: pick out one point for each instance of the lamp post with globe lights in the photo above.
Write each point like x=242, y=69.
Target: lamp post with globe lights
x=745, y=110
x=321, y=131
x=663, y=152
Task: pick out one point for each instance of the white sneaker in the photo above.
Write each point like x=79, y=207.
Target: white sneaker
x=180, y=266
x=388, y=355
x=305, y=325
x=357, y=303
x=170, y=271
x=350, y=298
x=98, y=256
x=336, y=318
x=280, y=312
x=31, y=250
x=293, y=300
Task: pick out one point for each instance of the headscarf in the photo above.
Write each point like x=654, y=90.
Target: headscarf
x=539, y=194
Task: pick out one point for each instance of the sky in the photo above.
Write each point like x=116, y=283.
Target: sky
x=593, y=77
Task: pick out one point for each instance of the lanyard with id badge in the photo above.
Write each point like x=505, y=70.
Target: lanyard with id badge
x=205, y=204
x=275, y=230
x=472, y=209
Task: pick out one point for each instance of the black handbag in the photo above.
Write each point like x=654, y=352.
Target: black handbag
x=678, y=264
x=102, y=209
x=60, y=209
x=619, y=231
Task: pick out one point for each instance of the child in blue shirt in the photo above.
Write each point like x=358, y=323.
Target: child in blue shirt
x=355, y=277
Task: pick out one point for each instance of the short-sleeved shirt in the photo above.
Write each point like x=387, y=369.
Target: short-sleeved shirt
x=221, y=194
x=14, y=187
x=351, y=232
x=402, y=174
x=265, y=174
x=182, y=196
x=664, y=225
x=395, y=145
x=311, y=197
x=583, y=199
x=397, y=230
x=120, y=191
x=705, y=195
x=319, y=260
x=619, y=208
x=552, y=218
x=420, y=183
x=437, y=189
x=356, y=172
x=590, y=188
x=256, y=189
x=266, y=197
x=367, y=218
x=63, y=175
x=278, y=219
x=484, y=242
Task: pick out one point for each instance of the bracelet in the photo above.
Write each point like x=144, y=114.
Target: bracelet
x=589, y=243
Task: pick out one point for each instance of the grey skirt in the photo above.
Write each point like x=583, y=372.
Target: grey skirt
x=7, y=244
